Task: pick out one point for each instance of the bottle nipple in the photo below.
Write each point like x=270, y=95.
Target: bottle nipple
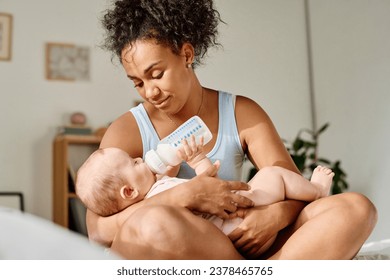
x=155, y=163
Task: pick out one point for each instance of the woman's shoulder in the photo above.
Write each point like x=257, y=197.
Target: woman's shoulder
x=246, y=106
x=249, y=115
x=120, y=131
x=245, y=99
x=240, y=100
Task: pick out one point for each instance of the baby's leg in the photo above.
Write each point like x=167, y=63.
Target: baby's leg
x=273, y=184
x=322, y=179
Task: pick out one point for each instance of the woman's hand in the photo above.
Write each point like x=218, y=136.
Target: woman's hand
x=262, y=223
x=207, y=194
x=254, y=231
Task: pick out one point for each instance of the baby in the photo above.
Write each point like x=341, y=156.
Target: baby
x=110, y=181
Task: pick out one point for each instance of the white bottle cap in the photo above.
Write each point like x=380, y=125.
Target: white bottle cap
x=154, y=162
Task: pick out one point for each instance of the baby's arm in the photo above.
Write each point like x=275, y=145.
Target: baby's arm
x=193, y=154
x=172, y=171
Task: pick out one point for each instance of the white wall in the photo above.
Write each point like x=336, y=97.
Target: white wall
x=32, y=107
x=351, y=46
x=267, y=64
x=264, y=57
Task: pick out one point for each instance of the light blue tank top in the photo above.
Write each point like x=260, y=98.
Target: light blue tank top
x=227, y=147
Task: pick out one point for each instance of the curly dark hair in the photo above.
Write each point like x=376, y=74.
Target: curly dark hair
x=169, y=22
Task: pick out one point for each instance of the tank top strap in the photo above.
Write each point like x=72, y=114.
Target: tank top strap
x=149, y=135
x=227, y=117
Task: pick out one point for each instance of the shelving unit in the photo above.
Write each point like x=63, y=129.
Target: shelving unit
x=69, y=153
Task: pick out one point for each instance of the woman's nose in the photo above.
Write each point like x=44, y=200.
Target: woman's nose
x=152, y=91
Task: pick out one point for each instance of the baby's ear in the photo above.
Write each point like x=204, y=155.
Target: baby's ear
x=128, y=192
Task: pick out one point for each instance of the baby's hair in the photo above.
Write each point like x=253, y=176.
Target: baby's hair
x=169, y=22
x=98, y=191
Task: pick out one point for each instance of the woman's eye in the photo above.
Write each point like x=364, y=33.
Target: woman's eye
x=159, y=76
x=138, y=84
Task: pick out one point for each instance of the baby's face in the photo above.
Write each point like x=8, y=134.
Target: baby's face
x=135, y=171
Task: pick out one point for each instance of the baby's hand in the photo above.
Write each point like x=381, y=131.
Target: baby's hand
x=191, y=152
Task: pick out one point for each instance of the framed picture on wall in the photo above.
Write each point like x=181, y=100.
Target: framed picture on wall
x=5, y=36
x=67, y=62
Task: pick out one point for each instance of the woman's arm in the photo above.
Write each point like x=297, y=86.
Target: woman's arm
x=195, y=195
x=259, y=138
x=264, y=147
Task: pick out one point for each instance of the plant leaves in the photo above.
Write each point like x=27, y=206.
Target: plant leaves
x=304, y=154
x=322, y=129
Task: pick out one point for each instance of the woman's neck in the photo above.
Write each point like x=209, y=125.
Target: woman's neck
x=195, y=107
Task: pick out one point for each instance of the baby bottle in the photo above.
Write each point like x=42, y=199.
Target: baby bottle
x=166, y=151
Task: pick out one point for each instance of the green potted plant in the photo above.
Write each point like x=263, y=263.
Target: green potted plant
x=304, y=151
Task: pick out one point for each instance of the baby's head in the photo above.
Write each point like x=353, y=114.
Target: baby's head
x=110, y=180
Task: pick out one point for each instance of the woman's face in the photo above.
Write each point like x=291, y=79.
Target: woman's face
x=160, y=76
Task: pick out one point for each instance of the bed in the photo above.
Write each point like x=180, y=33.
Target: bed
x=376, y=250
x=38, y=238
x=24, y=236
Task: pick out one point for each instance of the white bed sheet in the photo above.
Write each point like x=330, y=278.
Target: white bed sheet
x=376, y=250
x=24, y=236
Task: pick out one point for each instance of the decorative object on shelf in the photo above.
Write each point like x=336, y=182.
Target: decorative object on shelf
x=67, y=62
x=78, y=121
x=5, y=36
x=304, y=152
x=78, y=118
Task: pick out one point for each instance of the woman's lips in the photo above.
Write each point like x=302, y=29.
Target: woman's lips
x=160, y=104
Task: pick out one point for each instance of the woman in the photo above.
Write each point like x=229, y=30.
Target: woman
x=159, y=43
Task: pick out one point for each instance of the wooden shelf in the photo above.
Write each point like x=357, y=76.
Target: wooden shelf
x=78, y=139
x=68, y=151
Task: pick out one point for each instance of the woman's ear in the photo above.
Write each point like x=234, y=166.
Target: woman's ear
x=128, y=192
x=188, y=52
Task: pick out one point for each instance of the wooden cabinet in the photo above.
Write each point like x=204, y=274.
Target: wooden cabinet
x=69, y=153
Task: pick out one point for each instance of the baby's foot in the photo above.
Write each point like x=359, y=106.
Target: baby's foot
x=322, y=178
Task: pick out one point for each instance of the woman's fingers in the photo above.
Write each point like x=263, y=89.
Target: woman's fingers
x=231, y=201
x=241, y=201
x=238, y=186
x=216, y=196
x=241, y=241
x=237, y=199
